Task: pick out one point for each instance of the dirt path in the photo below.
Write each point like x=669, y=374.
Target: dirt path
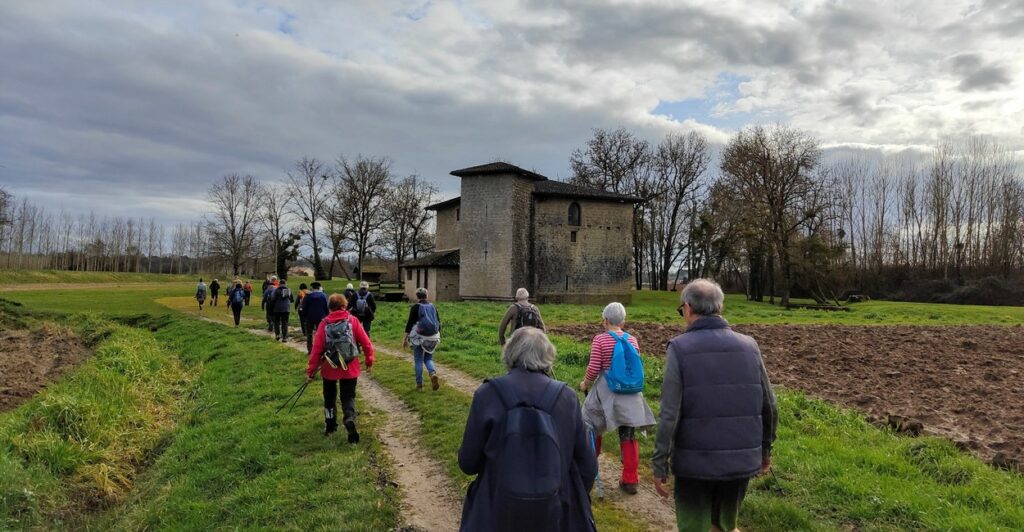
x=646, y=505
x=29, y=360
x=429, y=500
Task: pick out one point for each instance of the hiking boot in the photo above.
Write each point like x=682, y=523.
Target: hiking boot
x=350, y=427
x=628, y=488
x=329, y=431
x=434, y=382
x=419, y=386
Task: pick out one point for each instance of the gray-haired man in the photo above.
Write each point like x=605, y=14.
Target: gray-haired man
x=718, y=414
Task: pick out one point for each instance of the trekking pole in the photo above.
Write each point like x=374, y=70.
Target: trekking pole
x=298, y=393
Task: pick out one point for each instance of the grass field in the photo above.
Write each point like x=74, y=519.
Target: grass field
x=231, y=461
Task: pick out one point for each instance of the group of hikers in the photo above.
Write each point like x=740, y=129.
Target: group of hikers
x=531, y=444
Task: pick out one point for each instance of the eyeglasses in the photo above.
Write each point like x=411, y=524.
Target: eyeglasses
x=680, y=310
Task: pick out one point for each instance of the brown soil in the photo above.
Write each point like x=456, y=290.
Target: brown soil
x=965, y=383
x=29, y=360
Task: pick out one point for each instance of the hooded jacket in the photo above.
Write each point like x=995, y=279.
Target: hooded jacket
x=320, y=345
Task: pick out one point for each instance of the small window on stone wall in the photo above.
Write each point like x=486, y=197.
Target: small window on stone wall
x=458, y=214
x=574, y=214
x=572, y=236
x=408, y=274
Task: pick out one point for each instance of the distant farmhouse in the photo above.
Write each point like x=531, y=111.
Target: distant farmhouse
x=514, y=228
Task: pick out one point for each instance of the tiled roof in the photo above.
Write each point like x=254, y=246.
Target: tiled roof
x=445, y=204
x=443, y=259
x=497, y=168
x=567, y=190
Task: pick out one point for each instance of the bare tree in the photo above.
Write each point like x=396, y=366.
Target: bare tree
x=366, y=182
x=232, y=224
x=277, y=225
x=309, y=189
x=407, y=216
x=772, y=168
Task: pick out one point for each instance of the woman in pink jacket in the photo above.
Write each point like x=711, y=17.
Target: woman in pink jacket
x=339, y=378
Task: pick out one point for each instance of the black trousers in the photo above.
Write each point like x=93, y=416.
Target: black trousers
x=213, y=299
x=309, y=331
x=270, y=319
x=346, y=388
x=366, y=323
x=236, y=309
x=281, y=325
x=302, y=322
x=247, y=296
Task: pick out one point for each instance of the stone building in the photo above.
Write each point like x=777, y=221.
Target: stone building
x=514, y=228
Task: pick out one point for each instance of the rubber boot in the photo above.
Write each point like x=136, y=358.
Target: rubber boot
x=630, y=462
x=597, y=444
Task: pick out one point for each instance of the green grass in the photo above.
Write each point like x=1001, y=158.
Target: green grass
x=79, y=443
x=17, y=277
x=237, y=464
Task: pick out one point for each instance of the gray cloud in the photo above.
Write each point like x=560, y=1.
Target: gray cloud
x=137, y=108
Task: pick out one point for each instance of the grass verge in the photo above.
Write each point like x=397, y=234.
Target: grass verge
x=80, y=443
x=236, y=463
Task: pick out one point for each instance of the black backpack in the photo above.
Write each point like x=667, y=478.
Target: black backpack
x=527, y=316
x=528, y=461
x=341, y=345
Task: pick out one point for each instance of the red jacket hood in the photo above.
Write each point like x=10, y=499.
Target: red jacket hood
x=337, y=315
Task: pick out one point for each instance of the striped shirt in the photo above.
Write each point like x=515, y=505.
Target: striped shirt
x=601, y=351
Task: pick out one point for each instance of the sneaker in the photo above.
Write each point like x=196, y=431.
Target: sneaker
x=353, y=436
x=628, y=488
x=434, y=382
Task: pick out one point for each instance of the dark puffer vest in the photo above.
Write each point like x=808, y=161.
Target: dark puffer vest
x=720, y=427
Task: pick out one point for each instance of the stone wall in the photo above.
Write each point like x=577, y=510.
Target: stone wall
x=442, y=283
x=494, y=249
x=598, y=267
x=448, y=234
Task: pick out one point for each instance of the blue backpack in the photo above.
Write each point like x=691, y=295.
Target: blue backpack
x=237, y=296
x=528, y=461
x=626, y=374
x=428, y=324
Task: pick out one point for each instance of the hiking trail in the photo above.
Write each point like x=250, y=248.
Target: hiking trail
x=646, y=505
x=429, y=500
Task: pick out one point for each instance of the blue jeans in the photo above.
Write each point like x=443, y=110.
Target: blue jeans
x=420, y=358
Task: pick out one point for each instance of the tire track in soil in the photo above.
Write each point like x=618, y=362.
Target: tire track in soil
x=646, y=505
x=428, y=498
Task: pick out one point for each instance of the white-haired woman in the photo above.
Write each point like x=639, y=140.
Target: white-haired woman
x=520, y=314
x=528, y=355
x=604, y=410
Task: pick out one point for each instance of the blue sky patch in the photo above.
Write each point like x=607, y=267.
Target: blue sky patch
x=725, y=90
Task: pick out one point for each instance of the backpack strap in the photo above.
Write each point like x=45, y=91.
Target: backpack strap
x=551, y=394
x=508, y=396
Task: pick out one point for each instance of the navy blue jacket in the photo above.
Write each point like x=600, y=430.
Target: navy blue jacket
x=282, y=299
x=718, y=410
x=314, y=307
x=481, y=441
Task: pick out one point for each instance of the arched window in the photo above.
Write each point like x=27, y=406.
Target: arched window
x=574, y=214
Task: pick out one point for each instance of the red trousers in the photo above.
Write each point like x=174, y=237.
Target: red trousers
x=630, y=450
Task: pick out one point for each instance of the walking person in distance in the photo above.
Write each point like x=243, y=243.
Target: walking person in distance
x=201, y=293
x=282, y=300
x=314, y=308
x=363, y=306
x=236, y=300
x=214, y=292
x=520, y=314
x=423, y=332
x=718, y=415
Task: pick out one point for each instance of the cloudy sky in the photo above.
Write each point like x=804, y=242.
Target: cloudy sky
x=134, y=108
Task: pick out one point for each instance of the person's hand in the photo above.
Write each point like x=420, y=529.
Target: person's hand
x=405, y=341
x=766, y=464
x=660, y=486
x=309, y=378
x=583, y=386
